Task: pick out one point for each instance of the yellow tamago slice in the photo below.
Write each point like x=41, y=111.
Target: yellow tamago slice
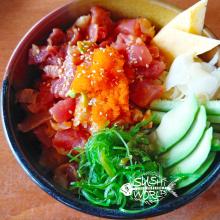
x=190, y=20
x=179, y=35
x=174, y=42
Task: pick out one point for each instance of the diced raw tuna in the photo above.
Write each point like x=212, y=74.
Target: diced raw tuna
x=154, y=50
x=57, y=37
x=83, y=22
x=101, y=24
x=26, y=96
x=39, y=54
x=73, y=35
x=93, y=32
x=142, y=93
x=68, y=139
x=65, y=174
x=139, y=27
x=139, y=56
x=128, y=26
x=42, y=134
x=32, y=121
x=44, y=98
x=50, y=158
x=61, y=86
x=155, y=69
x=63, y=110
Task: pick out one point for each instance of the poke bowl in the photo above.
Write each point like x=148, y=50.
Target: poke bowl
x=94, y=112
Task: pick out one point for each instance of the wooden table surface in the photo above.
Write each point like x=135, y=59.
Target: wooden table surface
x=20, y=198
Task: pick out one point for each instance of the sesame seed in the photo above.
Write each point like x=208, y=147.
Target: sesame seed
x=70, y=111
x=139, y=40
x=59, y=61
x=92, y=101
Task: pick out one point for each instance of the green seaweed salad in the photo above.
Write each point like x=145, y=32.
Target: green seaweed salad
x=111, y=158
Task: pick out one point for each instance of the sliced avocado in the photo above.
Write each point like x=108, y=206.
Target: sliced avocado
x=174, y=125
x=188, y=143
x=164, y=105
x=198, y=173
x=191, y=163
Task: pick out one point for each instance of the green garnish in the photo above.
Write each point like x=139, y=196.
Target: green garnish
x=75, y=157
x=71, y=94
x=113, y=157
x=84, y=46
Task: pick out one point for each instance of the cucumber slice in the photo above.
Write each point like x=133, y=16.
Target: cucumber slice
x=191, y=179
x=188, y=143
x=213, y=107
x=164, y=105
x=192, y=163
x=174, y=125
x=214, y=119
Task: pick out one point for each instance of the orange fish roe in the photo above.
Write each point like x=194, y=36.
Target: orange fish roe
x=106, y=86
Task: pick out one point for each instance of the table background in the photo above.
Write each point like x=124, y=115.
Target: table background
x=20, y=198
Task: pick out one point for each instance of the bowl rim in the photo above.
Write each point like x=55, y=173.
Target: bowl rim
x=46, y=186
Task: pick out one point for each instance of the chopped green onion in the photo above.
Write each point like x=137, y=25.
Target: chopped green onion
x=71, y=94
